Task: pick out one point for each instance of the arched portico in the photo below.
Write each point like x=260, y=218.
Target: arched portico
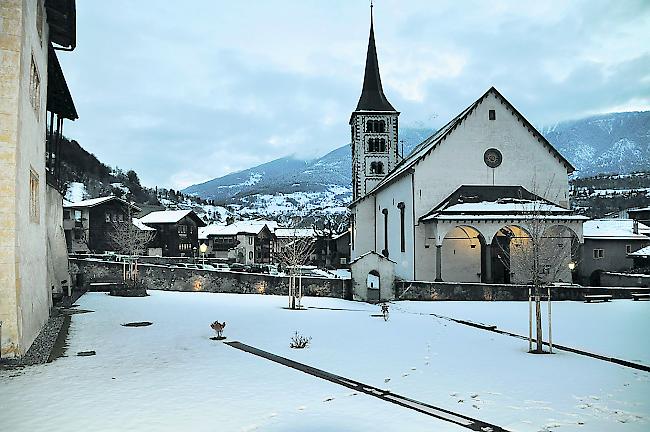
x=462, y=252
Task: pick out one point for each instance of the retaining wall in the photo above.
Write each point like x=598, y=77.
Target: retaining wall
x=493, y=292
x=158, y=277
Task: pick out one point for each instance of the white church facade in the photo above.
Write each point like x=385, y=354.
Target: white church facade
x=462, y=204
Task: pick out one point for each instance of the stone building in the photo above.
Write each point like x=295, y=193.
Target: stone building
x=34, y=101
x=464, y=204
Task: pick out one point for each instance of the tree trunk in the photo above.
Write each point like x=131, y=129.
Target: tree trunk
x=538, y=320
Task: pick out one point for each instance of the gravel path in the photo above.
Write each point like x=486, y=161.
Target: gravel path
x=40, y=350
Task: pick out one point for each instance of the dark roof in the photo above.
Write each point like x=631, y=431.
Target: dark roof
x=372, y=95
x=59, y=99
x=62, y=20
x=501, y=194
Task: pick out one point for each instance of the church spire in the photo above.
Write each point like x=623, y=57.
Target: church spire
x=372, y=95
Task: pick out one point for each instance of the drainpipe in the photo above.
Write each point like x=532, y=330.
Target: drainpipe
x=635, y=226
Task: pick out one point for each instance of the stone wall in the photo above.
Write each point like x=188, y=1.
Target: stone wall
x=625, y=280
x=492, y=292
x=157, y=277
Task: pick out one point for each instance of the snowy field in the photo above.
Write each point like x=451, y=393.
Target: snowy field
x=170, y=376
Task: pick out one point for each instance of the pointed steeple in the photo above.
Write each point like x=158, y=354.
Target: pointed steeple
x=372, y=95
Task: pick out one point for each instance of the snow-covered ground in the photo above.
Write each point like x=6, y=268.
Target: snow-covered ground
x=170, y=376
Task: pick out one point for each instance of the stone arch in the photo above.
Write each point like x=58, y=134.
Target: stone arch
x=462, y=251
x=506, y=246
x=563, y=244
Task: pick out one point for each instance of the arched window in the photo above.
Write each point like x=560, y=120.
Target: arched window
x=380, y=168
x=373, y=167
x=382, y=126
x=382, y=145
x=369, y=126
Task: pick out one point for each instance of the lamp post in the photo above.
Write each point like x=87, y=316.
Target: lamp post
x=203, y=249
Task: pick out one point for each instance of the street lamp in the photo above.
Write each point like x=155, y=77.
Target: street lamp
x=203, y=248
x=572, y=265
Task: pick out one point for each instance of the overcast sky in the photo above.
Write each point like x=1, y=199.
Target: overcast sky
x=183, y=92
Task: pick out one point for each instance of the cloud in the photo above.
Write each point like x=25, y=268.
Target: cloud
x=226, y=85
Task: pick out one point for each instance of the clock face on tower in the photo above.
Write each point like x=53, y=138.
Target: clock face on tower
x=492, y=158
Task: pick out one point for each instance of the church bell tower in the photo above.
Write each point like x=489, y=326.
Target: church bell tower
x=373, y=125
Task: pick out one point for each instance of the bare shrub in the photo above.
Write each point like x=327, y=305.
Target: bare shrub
x=299, y=342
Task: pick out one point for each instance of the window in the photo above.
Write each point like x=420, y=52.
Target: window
x=250, y=240
x=401, y=207
x=376, y=168
x=377, y=145
x=492, y=115
x=39, y=21
x=107, y=217
x=182, y=230
x=376, y=126
x=343, y=260
x=77, y=215
x=628, y=249
x=385, y=251
x=599, y=253
x=35, y=89
x=66, y=214
x=250, y=255
x=34, y=201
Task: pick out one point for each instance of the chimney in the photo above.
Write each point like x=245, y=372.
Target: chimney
x=635, y=226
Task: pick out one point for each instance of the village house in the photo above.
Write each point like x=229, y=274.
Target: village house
x=89, y=224
x=459, y=207
x=608, y=244
x=244, y=242
x=640, y=259
x=34, y=102
x=641, y=215
x=177, y=232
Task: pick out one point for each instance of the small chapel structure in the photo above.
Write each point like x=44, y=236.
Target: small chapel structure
x=463, y=205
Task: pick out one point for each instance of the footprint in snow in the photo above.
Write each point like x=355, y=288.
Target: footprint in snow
x=474, y=396
x=329, y=399
x=453, y=394
x=302, y=408
x=461, y=401
x=386, y=380
x=352, y=394
x=475, y=406
x=413, y=368
x=404, y=375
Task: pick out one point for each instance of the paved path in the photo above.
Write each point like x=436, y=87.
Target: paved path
x=439, y=413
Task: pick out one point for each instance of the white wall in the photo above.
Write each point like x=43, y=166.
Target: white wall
x=458, y=160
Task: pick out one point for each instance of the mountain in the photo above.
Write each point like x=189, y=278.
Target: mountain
x=617, y=143
x=289, y=185
x=611, y=143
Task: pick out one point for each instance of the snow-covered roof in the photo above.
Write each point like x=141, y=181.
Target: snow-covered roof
x=294, y=232
x=142, y=227
x=496, y=202
x=96, y=201
x=620, y=229
x=168, y=216
x=641, y=253
x=243, y=227
x=360, y=257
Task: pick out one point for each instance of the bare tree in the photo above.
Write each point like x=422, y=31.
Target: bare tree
x=130, y=240
x=538, y=255
x=292, y=255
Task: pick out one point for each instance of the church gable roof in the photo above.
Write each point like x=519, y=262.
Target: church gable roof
x=428, y=145
x=372, y=94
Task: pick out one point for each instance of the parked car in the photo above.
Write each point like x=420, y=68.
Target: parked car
x=205, y=267
x=237, y=267
x=221, y=266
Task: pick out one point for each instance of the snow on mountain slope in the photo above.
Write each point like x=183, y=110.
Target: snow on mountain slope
x=610, y=143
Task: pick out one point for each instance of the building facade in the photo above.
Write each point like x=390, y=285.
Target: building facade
x=177, y=232
x=34, y=101
x=467, y=202
x=89, y=225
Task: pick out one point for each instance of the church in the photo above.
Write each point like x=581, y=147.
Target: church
x=464, y=206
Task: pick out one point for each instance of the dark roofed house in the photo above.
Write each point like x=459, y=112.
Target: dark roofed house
x=176, y=231
x=89, y=224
